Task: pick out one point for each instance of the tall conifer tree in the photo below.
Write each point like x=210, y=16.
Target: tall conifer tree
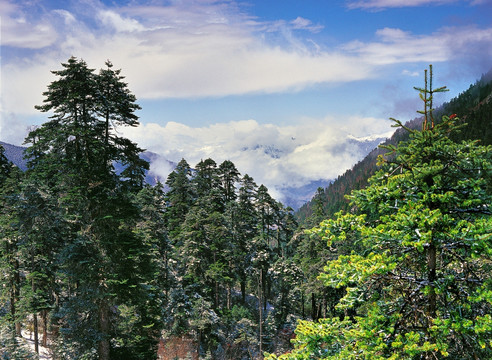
x=105, y=266
x=417, y=281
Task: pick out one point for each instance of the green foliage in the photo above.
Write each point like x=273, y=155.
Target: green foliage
x=417, y=281
x=473, y=107
x=105, y=264
x=83, y=256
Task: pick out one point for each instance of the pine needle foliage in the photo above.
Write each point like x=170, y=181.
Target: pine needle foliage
x=417, y=281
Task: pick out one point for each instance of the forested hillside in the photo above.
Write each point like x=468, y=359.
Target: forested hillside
x=473, y=106
x=412, y=259
x=101, y=265
x=96, y=263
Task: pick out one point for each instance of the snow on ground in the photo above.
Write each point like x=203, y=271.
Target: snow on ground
x=43, y=351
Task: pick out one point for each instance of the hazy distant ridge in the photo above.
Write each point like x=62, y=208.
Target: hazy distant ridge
x=15, y=154
x=294, y=197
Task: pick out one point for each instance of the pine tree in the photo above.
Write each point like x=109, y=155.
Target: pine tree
x=206, y=182
x=246, y=230
x=179, y=197
x=42, y=230
x=117, y=104
x=104, y=265
x=11, y=280
x=417, y=283
x=152, y=227
x=5, y=165
x=229, y=176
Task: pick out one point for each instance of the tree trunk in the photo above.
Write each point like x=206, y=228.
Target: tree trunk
x=263, y=290
x=16, y=296
x=431, y=264
x=106, y=139
x=243, y=291
x=320, y=307
x=12, y=300
x=36, y=334
x=325, y=303
x=34, y=315
x=216, y=286
x=313, y=307
x=166, y=276
x=103, y=347
x=44, y=316
x=216, y=301
x=229, y=300
x=302, y=302
x=260, y=285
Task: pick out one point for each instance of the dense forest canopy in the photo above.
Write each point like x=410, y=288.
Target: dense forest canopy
x=97, y=264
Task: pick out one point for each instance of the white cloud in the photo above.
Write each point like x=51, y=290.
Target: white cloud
x=118, y=22
x=381, y=4
x=172, y=52
x=214, y=49
x=410, y=73
x=66, y=15
x=396, y=46
x=301, y=23
x=12, y=129
x=208, y=49
x=277, y=156
x=21, y=30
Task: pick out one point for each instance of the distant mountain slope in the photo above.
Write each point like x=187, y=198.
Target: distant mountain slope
x=294, y=197
x=473, y=106
x=15, y=154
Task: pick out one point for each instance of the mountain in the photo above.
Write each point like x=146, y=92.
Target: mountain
x=15, y=154
x=294, y=197
x=474, y=108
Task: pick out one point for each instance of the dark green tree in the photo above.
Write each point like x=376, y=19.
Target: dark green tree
x=5, y=165
x=206, y=179
x=42, y=232
x=246, y=230
x=11, y=279
x=152, y=227
x=117, y=104
x=104, y=265
x=229, y=176
x=179, y=197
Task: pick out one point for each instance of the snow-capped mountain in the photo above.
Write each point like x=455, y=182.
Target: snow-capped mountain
x=290, y=195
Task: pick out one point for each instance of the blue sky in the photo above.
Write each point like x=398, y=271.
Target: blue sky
x=229, y=79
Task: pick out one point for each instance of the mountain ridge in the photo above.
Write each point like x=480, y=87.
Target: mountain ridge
x=473, y=106
x=292, y=196
x=15, y=154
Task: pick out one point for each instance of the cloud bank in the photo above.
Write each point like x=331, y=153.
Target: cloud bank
x=215, y=49
x=277, y=156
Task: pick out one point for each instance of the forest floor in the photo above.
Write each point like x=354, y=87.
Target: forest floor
x=44, y=353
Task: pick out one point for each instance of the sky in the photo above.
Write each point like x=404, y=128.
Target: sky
x=277, y=87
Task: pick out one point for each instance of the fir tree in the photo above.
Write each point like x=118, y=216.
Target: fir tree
x=103, y=264
x=418, y=282
x=179, y=196
x=246, y=230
